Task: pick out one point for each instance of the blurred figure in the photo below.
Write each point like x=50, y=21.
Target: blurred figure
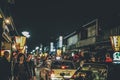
x=65, y=57
x=15, y=58
x=21, y=69
x=98, y=59
x=82, y=63
x=75, y=57
x=81, y=56
x=93, y=59
x=5, y=69
x=31, y=66
x=35, y=60
x=108, y=58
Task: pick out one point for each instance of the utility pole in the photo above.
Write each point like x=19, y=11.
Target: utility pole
x=1, y=31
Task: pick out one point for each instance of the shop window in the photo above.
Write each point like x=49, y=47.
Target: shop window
x=84, y=34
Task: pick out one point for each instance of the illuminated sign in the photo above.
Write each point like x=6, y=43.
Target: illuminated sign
x=116, y=57
x=20, y=43
x=51, y=46
x=115, y=41
x=59, y=52
x=60, y=41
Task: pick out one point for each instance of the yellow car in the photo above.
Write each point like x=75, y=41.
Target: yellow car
x=58, y=70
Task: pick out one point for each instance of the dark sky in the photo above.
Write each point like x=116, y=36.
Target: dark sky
x=46, y=20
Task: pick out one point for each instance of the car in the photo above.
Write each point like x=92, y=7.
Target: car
x=58, y=70
x=91, y=71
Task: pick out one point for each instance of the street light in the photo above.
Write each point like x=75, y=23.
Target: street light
x=37, y=49
x=7, y=21
x=26, y=34
x=33, y=51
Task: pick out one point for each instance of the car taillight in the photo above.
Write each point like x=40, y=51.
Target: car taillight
x=63, y=67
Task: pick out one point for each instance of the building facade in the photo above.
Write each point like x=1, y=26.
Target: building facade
x=93, y=38
x=7, y=28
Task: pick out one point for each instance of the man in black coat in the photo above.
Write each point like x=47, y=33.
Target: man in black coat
x=5, y=69
x=31, y=66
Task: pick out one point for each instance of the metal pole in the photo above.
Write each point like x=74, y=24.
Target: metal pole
x=1, y=31
x=11, y=59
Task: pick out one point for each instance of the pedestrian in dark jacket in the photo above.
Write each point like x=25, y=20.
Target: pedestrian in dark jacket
x=21, y=69
x=31, y=66
x=5, y=67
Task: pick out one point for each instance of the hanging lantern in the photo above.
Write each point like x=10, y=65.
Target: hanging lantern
x=59, y=51
x=20, y=42
x=115, y=41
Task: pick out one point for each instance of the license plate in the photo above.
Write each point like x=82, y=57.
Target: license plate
x=66, y=73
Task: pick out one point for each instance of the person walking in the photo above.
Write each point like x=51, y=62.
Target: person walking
x=108, y=58
x=5, y=67
x=31, y=66
x=21, y=69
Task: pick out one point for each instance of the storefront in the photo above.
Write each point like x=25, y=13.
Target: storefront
x=5, y=37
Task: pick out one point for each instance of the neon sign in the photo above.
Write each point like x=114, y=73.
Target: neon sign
x=116, y=57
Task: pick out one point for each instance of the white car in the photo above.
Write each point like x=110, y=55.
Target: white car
x=58, y=70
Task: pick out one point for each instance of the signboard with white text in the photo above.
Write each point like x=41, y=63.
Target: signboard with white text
x=116, y=58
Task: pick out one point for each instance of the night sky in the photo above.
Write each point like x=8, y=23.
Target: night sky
x=46, y=20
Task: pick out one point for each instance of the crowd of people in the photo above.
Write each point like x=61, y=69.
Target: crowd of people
x=23, y=68
x=88, y=58
x=5, y=67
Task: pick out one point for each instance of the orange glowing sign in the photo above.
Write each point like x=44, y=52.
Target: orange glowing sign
x=115, y=41
x=20, y=42
x=59, y=52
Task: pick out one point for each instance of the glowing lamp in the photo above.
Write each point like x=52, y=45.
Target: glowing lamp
x=59, y=52
x=20, y=42
x=7, y=21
